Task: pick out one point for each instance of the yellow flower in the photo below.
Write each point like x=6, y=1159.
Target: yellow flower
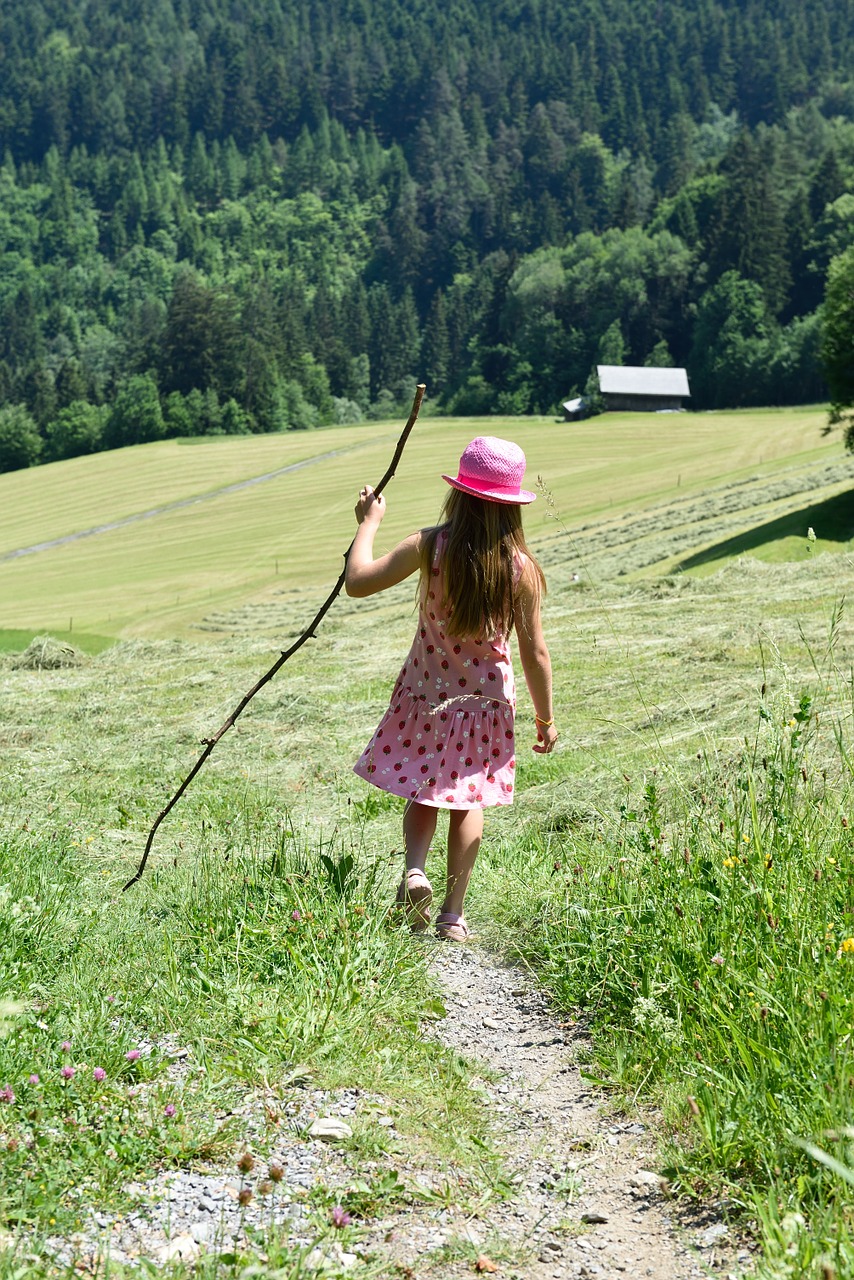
x=848, y=946
x=745, y=837
x=731, y=862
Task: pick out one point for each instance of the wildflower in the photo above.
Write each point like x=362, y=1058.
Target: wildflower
x=848, y=947
x=66, y=1046
x=246, y=1163
x=132, y=1055
x=33, y=1079
x=339, y=1217
x=111, y=999
x=99, y=1074
x=296, y=915
x=67, y=1073
x=745, y=837
x=169, y=1110
x=811, y=534
x=731, y=862
x=717, y=959
x=276, y=1171
x=7, y=1094
x=245, y=1197
x=265, y=1188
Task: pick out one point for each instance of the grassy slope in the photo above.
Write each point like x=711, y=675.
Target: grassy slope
x=162, y=575
x=648, y=674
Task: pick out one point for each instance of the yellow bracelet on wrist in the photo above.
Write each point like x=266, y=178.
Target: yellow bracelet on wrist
x=545, y=724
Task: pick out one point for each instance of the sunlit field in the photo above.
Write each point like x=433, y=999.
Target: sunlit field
x=162, y=574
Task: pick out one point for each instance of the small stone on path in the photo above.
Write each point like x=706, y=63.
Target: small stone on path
x=328, y=1129
x=180, y=1249
x=713, y=1235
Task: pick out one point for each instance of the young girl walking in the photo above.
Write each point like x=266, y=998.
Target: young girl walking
x=447, y=739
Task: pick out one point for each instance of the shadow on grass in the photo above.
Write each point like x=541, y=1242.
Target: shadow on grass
x=832, y=520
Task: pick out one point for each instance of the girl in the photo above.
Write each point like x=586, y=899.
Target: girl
x=447, y=739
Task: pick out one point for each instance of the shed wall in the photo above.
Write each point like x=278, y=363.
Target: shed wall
x=641, y=404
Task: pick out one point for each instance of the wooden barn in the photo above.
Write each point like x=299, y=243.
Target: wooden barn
x=642, y=389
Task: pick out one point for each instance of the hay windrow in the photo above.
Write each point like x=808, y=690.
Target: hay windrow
x=44, y=653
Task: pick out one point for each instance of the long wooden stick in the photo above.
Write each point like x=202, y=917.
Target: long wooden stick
x=308, y=634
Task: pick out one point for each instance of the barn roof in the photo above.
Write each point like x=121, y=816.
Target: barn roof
x=623, y=380
x=573, y=406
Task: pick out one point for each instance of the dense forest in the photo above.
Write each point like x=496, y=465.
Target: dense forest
x=252, y=215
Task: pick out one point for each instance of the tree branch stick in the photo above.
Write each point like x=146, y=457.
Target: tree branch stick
x=308, y=634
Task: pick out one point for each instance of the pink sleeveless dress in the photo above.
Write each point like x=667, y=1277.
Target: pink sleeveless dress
x=447, y=738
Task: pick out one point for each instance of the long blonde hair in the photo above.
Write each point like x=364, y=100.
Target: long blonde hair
x=478, y=564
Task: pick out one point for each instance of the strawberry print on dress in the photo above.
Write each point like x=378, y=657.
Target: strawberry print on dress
x=447, y=738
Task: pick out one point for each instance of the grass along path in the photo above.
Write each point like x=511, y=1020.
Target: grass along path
x=574, y=1194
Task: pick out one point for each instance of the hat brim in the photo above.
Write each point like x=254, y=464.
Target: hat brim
x=522, y=498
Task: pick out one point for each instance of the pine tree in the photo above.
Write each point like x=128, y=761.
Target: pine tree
x=436, y=352
x=827, y=185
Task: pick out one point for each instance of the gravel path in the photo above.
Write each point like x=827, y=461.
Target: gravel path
x=586, y=1203
x=589, y=1202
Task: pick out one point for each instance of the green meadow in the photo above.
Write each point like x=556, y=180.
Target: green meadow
x=162, y=574
x=679, y=873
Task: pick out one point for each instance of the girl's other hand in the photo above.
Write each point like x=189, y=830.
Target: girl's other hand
x=370, y=507
x=546, y=739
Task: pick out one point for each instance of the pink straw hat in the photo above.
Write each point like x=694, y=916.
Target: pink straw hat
x=492, y=469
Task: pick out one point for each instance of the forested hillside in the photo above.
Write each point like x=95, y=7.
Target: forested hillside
x=220, y=217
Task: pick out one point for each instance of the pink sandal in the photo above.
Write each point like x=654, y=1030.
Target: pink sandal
x=414, y=895
x=452, y=927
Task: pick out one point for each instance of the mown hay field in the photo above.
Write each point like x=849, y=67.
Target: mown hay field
x=163, y=573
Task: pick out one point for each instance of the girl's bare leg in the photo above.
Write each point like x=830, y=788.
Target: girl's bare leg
x=464, y=836
x=415, y=894
x=419, y=827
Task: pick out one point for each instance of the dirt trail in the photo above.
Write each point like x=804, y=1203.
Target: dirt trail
x=585, y=1199
x=588, y=1202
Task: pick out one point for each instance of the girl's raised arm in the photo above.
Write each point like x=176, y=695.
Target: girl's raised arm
x=365, y=575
